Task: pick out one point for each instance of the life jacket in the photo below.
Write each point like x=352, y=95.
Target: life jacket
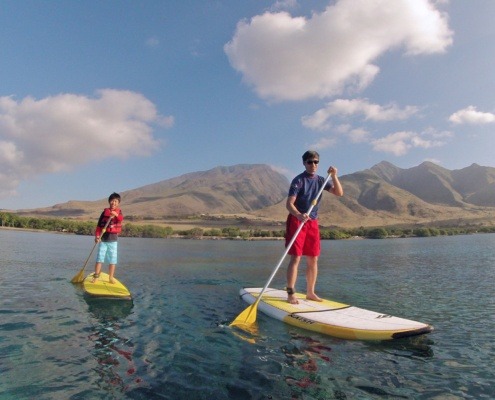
x=115, y=225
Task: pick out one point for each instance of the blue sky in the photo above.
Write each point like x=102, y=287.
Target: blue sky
x=103, y=96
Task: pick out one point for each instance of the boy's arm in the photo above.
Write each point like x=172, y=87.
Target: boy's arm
x=117, y=214
x=98, y=227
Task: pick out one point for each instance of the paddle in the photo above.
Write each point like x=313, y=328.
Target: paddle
x=80, y=276
x=247, y=318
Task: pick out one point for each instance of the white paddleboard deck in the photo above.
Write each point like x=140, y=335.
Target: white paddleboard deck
x=333, y=318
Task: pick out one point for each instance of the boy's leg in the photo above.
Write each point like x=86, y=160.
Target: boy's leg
x=111, y=272
x=100, y=258
x=112, y=260
x=96, y=275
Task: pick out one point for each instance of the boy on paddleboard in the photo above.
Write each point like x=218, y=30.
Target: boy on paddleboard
x=303, y=190
x=107, y=231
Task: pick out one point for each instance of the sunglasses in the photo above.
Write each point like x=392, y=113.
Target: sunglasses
x=312, y=162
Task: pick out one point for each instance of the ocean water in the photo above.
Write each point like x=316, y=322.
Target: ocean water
x=173, y=341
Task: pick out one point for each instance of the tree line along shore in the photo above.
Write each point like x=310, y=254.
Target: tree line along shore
x=10, y=220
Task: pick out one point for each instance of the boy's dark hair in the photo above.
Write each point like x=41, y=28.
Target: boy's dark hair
x=114, y=196
x=310, y=154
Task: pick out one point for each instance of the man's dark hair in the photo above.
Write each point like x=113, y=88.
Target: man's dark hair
x=310, y=154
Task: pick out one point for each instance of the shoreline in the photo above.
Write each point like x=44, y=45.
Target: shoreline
x=174, y=236
x=237, y=238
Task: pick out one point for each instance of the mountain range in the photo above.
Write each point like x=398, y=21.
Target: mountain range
x=383, y=195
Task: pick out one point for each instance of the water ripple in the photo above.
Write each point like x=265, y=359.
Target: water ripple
x=173, y=341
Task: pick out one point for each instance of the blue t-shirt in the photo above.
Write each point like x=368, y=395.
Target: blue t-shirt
x=305, y=187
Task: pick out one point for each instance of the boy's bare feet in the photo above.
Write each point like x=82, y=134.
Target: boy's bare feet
x=95, y=278
x=110, y=280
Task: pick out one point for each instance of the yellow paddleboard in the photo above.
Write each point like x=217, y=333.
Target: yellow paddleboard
x=333, y=318
x=103, y=289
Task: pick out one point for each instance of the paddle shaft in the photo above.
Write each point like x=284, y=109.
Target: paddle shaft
x=102, y=232
x=313, y=204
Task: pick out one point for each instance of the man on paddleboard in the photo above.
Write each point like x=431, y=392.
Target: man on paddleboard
x=303, y=190
x=107, y=231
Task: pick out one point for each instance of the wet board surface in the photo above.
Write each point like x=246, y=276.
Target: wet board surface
x=333, y=318
x=103, y=289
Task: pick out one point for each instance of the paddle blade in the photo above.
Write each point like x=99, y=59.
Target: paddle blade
x=246, y=319
x=79, y=278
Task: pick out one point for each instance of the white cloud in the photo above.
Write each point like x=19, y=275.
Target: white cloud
x=319, y=121
x=343, y=128
x=399, y=143
x=323, y=143
x=356, y=135
x=433, y=160
x=470, y=115
x=359, y=135
x=296, y=58
x=284, y=5
x=60, y=132
x=396, y=143
x=437, y=135
x=361, y=107
x=418, y=141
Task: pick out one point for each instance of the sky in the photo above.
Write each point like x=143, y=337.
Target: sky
x=103, y=96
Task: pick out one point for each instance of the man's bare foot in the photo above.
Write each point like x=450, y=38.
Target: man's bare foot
x=95, y=278
x=292, y=299
x=313, y=297
x=110, y=280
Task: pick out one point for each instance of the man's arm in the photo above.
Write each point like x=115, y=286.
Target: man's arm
x=294, y=211
x=336, y=186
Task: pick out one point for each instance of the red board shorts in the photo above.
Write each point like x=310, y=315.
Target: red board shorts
x=307, y=242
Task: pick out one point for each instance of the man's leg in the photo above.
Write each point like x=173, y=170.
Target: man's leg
x=292, y=278
x=311, y=275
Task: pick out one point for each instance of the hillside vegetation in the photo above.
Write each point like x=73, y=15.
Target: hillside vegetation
x=253, y=197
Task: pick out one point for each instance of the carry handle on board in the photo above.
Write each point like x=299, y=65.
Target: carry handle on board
x=248, y=317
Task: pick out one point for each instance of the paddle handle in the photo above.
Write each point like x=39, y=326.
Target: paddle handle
x=313, y=204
